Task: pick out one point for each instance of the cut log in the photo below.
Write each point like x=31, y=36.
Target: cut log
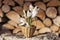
x=9, y=2
x=59, y=10
x=41, y=5
x=19, y=33
x=54, y=28
x=16, y=30
x=51, y=12
x=41, y=14
x=47, y=22
x=44, y=30
x=0, y=3
x=56, y=21
x=36, y=33
x=5, y=8
x=8, y=26
x=38, y=24
x=0, y=19
x=31, y=0
x=18, y=9
x=13, y=16
x=46, y=1
x=26, y=5
x=13, y=23
x=57, y=33
x=20, y=2
x=1, y=13
x=53, y=3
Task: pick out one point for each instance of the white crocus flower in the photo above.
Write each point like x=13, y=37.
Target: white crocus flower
x=23, y=22
x=34, y=12
x=24, y=13
x=31, y=7
x=29, y=14
x=27, y=25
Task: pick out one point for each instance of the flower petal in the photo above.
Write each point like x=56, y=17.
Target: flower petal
x=31, y=7
x=24, y=13
x=29, y=14
x=22, y=21
x=27, y=25
x=34, y=12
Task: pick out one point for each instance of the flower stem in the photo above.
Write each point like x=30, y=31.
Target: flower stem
x=29, y=21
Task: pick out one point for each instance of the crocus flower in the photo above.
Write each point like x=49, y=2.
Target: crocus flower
x=24, y=13
x=31, y=13
x=23, y=22
x=31, y=7
x=34, y=12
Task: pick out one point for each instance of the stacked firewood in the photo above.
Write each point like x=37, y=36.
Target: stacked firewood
x=48, y=17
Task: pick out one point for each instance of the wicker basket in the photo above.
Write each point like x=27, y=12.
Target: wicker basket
x=28, y=31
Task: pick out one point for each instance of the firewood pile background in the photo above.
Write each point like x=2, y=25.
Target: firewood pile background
x=48, y=17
